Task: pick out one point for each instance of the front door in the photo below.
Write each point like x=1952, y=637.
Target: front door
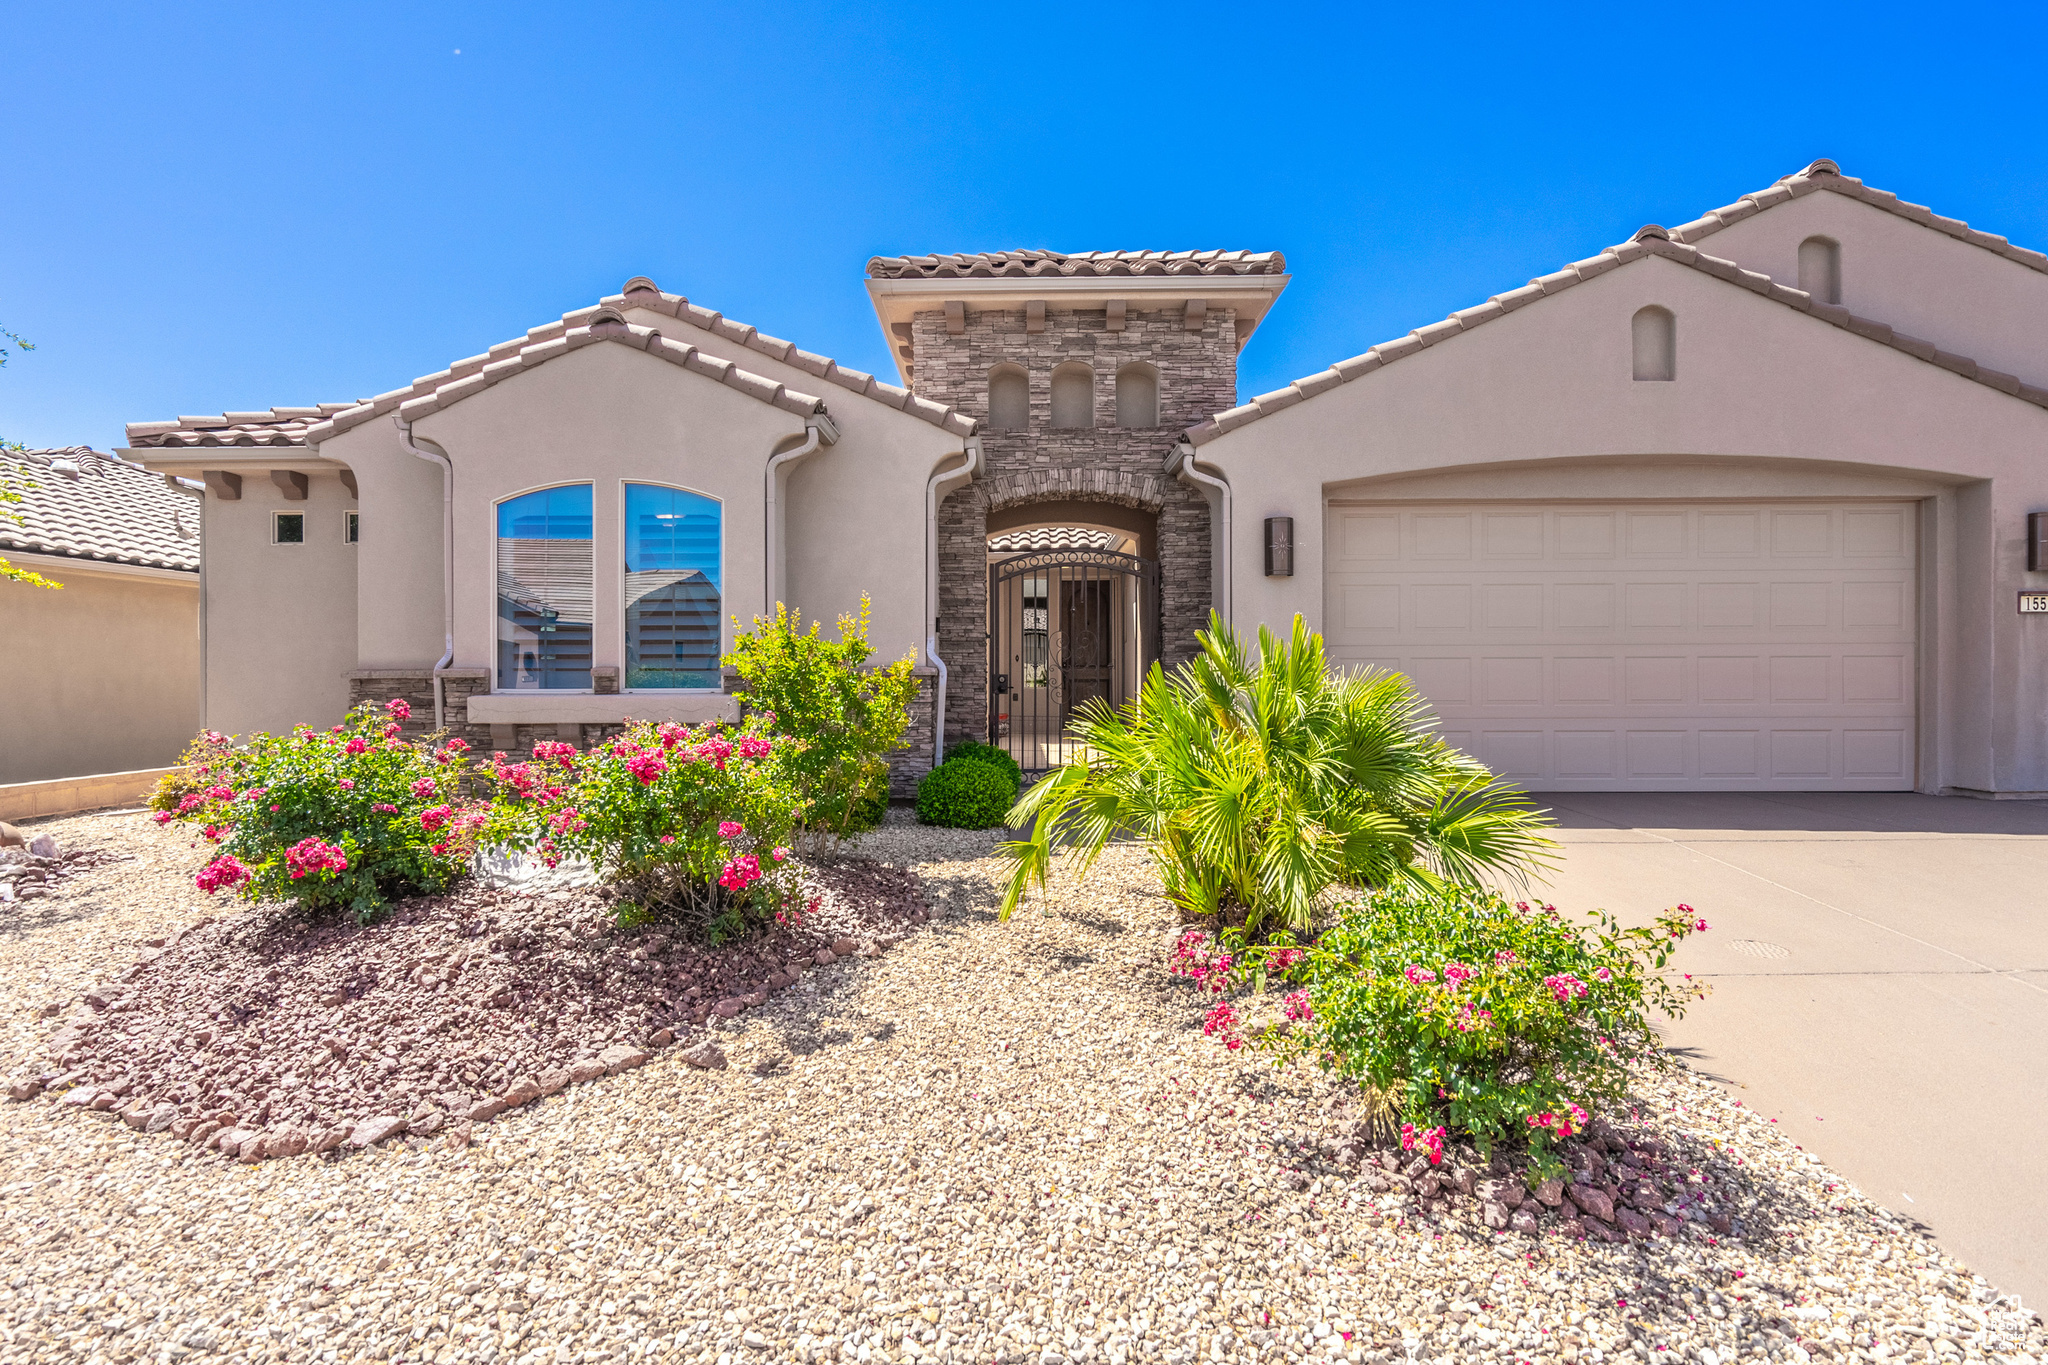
x=1087, y=638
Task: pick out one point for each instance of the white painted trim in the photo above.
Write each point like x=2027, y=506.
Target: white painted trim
x=66, y=564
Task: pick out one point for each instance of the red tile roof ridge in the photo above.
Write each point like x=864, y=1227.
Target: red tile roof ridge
x=1648, y=241
x=1826, y=175
x=1025, y=263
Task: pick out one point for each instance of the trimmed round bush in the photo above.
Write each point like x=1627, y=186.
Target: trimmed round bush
x=964, y=794
x=974, y=751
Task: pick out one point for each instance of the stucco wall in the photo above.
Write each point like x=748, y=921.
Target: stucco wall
x=1552, y=382
x=1961, y=297
x=281, y=619
x=853, y=512
x=398, y=562
x=100, y=677
x=605, y=415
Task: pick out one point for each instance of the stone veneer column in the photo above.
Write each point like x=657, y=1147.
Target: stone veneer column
x=1106, y=463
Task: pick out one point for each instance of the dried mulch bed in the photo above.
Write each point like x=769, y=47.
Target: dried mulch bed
x=265, y=1034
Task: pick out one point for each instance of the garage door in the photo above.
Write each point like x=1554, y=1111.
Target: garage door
x=1647, y=646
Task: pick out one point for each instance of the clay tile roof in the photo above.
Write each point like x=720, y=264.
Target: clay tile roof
x=277, y=427
x=1027, y=264
x=1053, y=538
x=1648, y=241
x=601, y=321
x=88, y=505
x=1826, y=175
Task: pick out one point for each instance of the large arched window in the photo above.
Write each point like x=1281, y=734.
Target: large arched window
x=544, y=590
x=1654, y=334
x=1009, y=398
x=1820, y=268
x=1137, y=396
x=673, y=576
x=1073, y=395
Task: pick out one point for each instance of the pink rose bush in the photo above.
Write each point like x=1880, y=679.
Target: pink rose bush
x=347, y=818
x=692, y=824
x=1470, y=1014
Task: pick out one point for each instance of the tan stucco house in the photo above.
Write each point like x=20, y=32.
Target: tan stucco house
x=101, y=676
x=1742, y=504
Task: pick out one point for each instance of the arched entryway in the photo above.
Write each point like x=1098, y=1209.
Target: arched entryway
x=1073, y=616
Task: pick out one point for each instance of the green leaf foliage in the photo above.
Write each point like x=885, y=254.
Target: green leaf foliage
x=1262, y=781
x=1504, y=1021
x=849, y=716
x=343, y=819
x=692, y=825
x=974, y=751
x=965, y=793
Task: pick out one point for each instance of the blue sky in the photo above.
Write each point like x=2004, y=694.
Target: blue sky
x=235, y=206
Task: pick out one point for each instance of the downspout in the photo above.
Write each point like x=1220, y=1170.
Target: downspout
x=1181, y=464
x=172, y=482
x=818, y=430
x=447, y=561
x=952, y=479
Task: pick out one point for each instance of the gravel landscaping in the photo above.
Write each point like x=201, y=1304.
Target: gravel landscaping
x=985, y=1142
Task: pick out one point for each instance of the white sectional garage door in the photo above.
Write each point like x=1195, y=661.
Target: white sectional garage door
x=1656, y=646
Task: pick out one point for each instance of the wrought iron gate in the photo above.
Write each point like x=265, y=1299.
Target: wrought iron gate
x=1065, y=626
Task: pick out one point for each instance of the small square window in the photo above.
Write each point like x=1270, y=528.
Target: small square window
x=349, y=526
x=288, y=528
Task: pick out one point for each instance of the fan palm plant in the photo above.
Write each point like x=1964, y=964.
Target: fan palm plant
x=1260, y=783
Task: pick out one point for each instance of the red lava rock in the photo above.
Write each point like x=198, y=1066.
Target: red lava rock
x=24, y=1090
x=1495, y=1215
x=1594, y=1202
x=844, y=947
x=1550, y=1193
x=521, y=1091
x=757, y=999
x=1666, y=1224
x=1632, y=1221
x=1523, y=1220
x=1505, y=1192
x=263, y=1021
x=705, y=1055
x=825, y=957
x=370, y=1132
x=619, y=1058
x=1720, y=1222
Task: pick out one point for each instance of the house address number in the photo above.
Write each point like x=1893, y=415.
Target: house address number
x=2031, y=602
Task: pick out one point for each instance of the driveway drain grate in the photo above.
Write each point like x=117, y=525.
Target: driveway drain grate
x=1750, y=947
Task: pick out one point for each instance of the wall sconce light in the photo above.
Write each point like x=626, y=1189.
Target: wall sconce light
x=2037, y=542
x=1279, y=547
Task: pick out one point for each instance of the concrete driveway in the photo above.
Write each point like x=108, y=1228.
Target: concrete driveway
x=1880, y=972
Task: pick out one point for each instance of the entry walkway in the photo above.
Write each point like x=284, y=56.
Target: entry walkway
x=1880, y=973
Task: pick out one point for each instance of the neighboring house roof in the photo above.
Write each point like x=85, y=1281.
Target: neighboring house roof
x=991, y=264
x=1053, y=538
x=1648, y=241
x=1826, y=175
x=602, y=321
x=90, y=506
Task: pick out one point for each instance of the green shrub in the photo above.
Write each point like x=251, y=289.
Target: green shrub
x=693, y=825
x=1462, y=1011
x=1261, y=783
x=349, y=817
x=974, y=751
x=963, y=793
x=848, y=717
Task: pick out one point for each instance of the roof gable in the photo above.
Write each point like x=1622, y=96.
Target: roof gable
x=1825, y=175
x=1649, y=241
x=602, y=321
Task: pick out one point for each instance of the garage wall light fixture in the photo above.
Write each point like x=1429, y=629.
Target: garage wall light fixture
x=2037, y=542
